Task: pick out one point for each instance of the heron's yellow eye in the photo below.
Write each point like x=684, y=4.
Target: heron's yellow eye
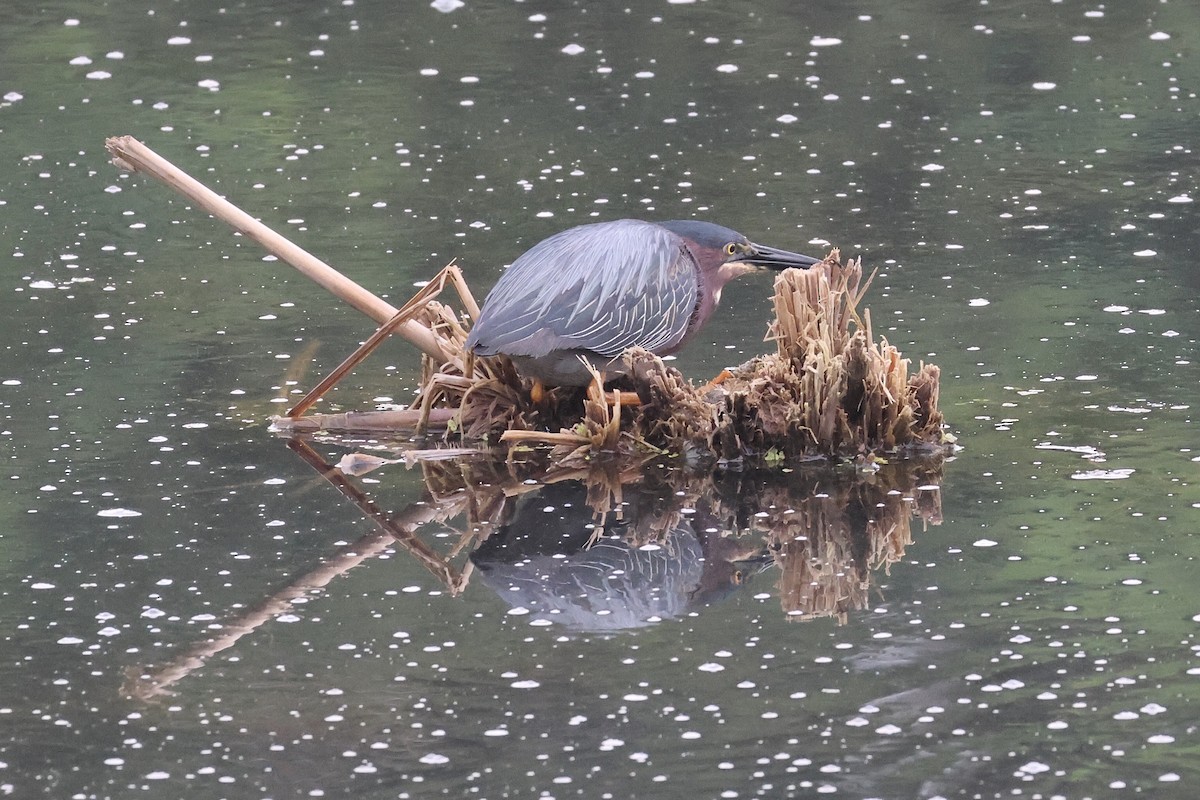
x=731, y=248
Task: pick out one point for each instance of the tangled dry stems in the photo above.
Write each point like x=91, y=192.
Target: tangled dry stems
x=831, y=389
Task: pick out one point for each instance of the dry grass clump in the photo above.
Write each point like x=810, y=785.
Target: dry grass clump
x=830, y=390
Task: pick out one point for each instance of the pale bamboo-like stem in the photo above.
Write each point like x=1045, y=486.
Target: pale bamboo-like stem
x=361, y=421
x=130, y=154
x=401, y=317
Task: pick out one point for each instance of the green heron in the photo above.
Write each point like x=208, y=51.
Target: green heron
x=596, y=290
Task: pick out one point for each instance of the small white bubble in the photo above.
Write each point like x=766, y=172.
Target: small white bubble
x=434, y=758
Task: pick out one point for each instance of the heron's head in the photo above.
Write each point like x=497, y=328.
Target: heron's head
x=724, y=254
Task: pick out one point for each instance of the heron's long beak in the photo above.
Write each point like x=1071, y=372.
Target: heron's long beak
x=774, y=258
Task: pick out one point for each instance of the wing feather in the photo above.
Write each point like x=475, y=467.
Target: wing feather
x=603, y=288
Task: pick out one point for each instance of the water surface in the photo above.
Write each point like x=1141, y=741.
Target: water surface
x=1020, y=173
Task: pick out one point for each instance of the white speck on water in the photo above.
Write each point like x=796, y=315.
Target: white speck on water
x=888, y=730
x=1045, y=86
x=1180, y=198
x=710, y=667
x=1146, y=253
x=42, y=586
x=118, y=512
x=932, y=167
x=1086, y=377
x=1102, y=475
x=434, y=758
x=984, y=543
x=635, y=698
x=179, y=40
x=526, y=684
x=429, y=72
x=158, y=775
x=210, y=84
x=446, y=6
x=1033, y=768
x=573, y=49
x=518, y=611
x=1160, y=738
x=80, y=61
x=13, y=97
x=98, y=75
x=727, y=68
x=644, y=74
x=11, y=382
x=1116, y=309
x=787, y=119
x=70, y=640
x=978, y=302
x=1159, y=36
x=824, y=41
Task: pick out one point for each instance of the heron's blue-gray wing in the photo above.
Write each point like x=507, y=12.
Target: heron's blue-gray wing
x=603, y=287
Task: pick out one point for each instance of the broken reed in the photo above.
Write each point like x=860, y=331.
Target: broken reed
x=830, y=390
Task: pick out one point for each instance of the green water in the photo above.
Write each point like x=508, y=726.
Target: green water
x=1021, y=173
